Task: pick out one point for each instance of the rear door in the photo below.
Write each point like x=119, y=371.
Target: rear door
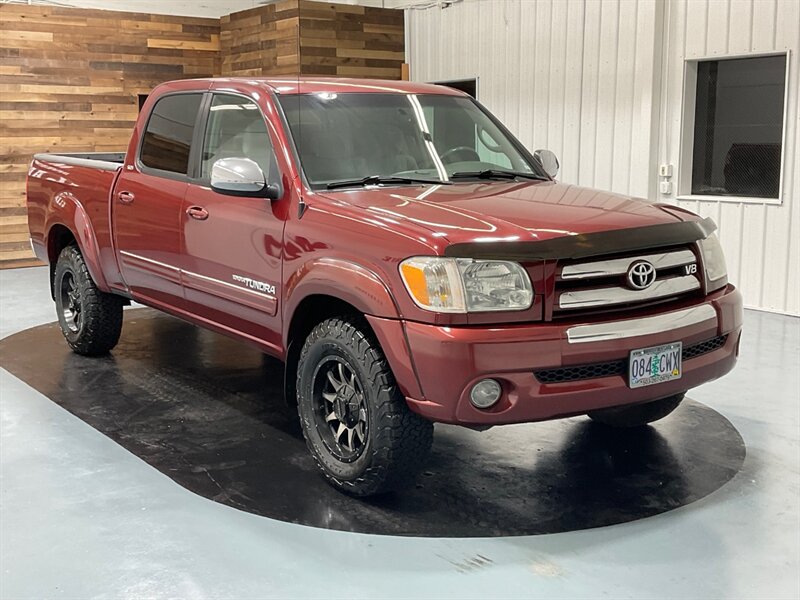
x=233, y=245
x=148, y=200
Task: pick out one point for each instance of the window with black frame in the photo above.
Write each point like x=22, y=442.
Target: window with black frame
x=167, y=139
x=738, y=127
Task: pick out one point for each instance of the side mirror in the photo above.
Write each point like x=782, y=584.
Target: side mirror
x=242, y=177
x=549, y=162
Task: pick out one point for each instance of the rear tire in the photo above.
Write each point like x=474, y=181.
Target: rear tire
x=637, y=415
x=90, y=320
x=356, y=423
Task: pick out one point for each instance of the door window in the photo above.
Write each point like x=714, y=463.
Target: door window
x=236, y=129
x=167, y=138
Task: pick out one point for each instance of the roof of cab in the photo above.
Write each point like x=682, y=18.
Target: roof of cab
x=341, y=85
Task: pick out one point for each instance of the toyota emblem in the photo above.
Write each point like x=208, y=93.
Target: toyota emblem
x=641, y=275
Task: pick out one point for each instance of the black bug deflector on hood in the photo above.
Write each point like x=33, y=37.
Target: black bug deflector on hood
x=589, y=244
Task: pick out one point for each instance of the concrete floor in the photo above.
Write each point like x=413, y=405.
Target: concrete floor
x=83, y=518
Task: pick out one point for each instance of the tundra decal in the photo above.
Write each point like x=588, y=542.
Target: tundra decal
x=260, y=286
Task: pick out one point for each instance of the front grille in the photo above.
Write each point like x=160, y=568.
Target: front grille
x=601, y=284
x=619, y=367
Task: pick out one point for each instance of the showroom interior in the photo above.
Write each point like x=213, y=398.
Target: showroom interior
x=252, y=250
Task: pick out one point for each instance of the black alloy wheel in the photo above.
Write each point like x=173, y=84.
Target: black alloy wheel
x=356, y=422
x=90, y=319
x=340, y=409
x=70, y=302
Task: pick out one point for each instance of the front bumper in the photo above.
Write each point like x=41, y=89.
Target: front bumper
x=447, y=361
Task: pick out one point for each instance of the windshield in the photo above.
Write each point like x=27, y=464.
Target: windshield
x=363, y=136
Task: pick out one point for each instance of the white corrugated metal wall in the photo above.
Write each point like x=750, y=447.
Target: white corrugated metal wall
x=760, y=239
x=585, y=78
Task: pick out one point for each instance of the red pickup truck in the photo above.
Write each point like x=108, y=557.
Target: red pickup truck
x=399, y=249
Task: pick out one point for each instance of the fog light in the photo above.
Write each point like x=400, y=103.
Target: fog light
x=485, y=393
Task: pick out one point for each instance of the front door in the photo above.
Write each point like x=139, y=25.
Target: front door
x=232, y=245
x=148, y=201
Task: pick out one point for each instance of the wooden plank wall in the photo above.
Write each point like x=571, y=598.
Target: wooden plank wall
x=301, y=37
x=351, y=41
x=261, y=41
x=70, y=80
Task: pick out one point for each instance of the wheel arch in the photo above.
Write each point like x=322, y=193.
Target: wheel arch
x=70, y=224
x=389, y=333
x=326, y=287
x=58, y=237
x=342, y=279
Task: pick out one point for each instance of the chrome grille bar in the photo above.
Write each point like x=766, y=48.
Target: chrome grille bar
x=608, y=296
x=617, y=330
x=620, y=266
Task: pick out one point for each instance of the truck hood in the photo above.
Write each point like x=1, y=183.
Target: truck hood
x=513, y=211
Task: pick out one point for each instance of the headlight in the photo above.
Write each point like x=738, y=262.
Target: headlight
x=459, y=285
x=714, y=262
x=495, y=285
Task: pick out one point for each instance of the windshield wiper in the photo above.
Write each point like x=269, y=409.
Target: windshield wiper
x=378, y=179
x=496, y=174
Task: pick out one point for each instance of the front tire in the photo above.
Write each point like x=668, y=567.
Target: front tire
x=90, y=319
x=637, y=415
x=356, y=422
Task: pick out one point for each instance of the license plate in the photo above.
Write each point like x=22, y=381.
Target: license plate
x=648, y=366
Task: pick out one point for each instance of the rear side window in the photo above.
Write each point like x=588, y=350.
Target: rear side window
x=167, y=139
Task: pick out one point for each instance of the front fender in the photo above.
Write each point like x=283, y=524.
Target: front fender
x=67, y=211
x=343, y=279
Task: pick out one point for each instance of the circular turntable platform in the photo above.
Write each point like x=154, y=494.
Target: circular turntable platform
x=208, y=412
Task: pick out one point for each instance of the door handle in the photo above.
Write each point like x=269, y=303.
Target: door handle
x=126, y=197
x=197, y=212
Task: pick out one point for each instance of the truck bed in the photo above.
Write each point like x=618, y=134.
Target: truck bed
x=72, y=192
x=106, y=161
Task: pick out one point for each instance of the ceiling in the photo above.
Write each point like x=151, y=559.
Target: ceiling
x=194, y=8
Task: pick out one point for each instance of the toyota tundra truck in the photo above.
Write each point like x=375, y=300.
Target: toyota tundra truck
x=400, y=250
